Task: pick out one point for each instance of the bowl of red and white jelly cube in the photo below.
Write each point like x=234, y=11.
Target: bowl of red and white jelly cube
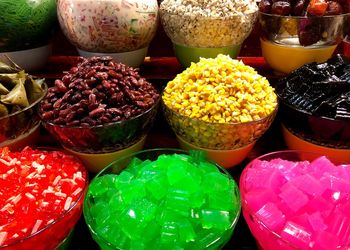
x=41, y=197
x=297, y=200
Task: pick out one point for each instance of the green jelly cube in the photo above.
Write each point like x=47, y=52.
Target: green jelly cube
x=207, y=239
x=168, y=215
x=102, y=184
x=152, y=232
x=116, y=203
x=100, y=212
x=207, y=167
x=197, y=199
x=169, y=232
x=157, y=187
x=177, y=171
x=223, y=200
x=178, y=200
x=198, y=156
x=186, y=232
x=137, y=245
x=124, y=177
x=134, y=166
x=145, y=210
x=132, y=191
x=215, y=182
x=216, y=219
x=130, y=224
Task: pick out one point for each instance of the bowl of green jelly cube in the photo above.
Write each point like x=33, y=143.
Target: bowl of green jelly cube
x=162, y=199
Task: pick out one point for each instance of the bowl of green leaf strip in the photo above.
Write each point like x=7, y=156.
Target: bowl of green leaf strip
x=20, y=94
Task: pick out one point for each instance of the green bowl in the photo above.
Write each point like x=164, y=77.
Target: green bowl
x=186, y=55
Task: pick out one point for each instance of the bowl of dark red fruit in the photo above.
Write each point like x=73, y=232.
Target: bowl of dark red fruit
x=100, y=107
x=315, y=108
x=294, y=33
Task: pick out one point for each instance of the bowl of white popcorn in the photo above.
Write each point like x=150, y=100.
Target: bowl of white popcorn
x=206, y=28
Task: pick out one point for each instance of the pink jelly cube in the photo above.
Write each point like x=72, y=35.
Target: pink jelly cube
x=335, y=183
x=296, y=235
x=325, y=241
x=319, y=204
x=293, y=197
x=271, y=216
x=321, y=165
x=259, y=197
x=316, y=221
x=308, y=184
x=301, y=219
x=289, y=169
x=339, y=225
x=264, y=178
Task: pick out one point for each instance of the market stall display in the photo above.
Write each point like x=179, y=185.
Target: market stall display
x=99, y=108
x=162, y=199
x=42, y=194
x=26, y=28
x=121, y=29
x=314, y=108
x=297, y=200
x=20, y=94
x=303, y=32
x=207, y=28
x=220, y=106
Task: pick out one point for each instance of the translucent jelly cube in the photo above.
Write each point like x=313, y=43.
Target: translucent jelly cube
x=207, y=167
x=169, y=233
x=158, y=187
x=321, y=165
x=308, y=184
x=102, y=185
x=317, y=222
x=325, y=241
x=339, y=225
x=271, y=216
x=335, y=183
x=289, y=169
x=100, y=212
x=178, y=200
x=293, y=197
x=215, y=182
x=259, y=197
x=151, y=232
x=296, y=235
x=116, y=203
x=133, y=166
x=133, y=191
x=177, y=171
x=186, y=231
x=215, y=219
x=221, y=200
x=205, y=239
x=124, y=177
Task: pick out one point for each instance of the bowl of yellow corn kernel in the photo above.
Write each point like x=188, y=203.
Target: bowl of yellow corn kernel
x=221, y=106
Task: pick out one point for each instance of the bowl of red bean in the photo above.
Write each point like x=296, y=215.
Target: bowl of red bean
x=303, y=31
x=99, y=106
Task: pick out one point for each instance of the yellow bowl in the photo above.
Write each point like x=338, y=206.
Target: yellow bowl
x=225, y=158
x=296, y=143
x=284, y=59
x=96, y=162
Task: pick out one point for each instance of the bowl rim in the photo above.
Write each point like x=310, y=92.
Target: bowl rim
x=105, y=125
x=303, y=17
x=162, y=10
x=182, y=117
x=37, y=101
x=88, y=217
x=62, y=215
x=242, y=186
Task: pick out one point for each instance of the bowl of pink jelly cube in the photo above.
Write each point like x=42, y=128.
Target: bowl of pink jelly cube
x=297, y=200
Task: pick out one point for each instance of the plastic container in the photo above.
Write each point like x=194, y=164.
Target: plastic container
x=117, y=168
x=281, y=38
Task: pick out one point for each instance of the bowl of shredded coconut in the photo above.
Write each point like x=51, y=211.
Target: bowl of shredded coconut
x=206, y=28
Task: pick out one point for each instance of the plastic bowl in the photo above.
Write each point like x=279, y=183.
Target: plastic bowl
x=118, y=166
x=105, y=138
x=230, y=142
x=58, y=233
x=21, y=128
x=300, y=39
x=265, y=237
x=195, y=37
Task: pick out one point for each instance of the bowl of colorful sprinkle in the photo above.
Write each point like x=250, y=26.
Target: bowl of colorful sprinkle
x=99, y=110
x=297, y=200
x=162, y=199
x=220, y=106
x=42, y=193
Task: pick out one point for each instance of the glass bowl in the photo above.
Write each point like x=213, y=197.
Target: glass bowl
x=55, y=235
x=302, y=39
x=235, y=140
x=196, y=36
x=21, y=128
x=106, y=138
x=123, y=163
x=271, y=234
x=110, y=27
